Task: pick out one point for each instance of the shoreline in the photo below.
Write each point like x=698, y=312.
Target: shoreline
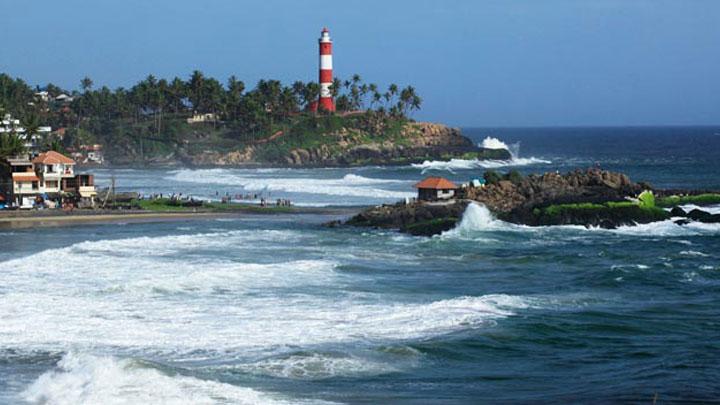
x=42, y=221
x=31, y=219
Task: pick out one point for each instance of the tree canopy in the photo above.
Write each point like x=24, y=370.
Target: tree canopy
x=155, y=110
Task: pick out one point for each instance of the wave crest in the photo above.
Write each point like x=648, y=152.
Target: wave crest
x=87, y=379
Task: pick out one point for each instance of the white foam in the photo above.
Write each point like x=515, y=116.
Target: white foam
x=167, y=295
x=694, y=253
x=87, y=379
x=666, y=228
x=712, y=209
x=476, y=218
x=317, y=366
x=472, y=164
x=493, y=143
x=351, y=185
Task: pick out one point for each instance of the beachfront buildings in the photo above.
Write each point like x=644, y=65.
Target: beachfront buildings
x=49, y=179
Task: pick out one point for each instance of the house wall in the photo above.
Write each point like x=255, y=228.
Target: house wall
x=445, y=194
x=432, y=194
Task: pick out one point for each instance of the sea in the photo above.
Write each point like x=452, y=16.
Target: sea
x=280, y=309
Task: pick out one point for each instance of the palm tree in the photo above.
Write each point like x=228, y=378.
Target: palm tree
x=177, y=94
x=406, y=99
x=196, y=87
x=86, y=84
x=233, y=96
x=31, y=124
x=10, y=145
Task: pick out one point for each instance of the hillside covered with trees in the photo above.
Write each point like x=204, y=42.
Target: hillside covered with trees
x=203, y=121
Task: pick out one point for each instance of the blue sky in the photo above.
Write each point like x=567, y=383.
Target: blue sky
x=475, y=62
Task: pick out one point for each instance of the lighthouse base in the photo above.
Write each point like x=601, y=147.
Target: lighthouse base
x=324, y=105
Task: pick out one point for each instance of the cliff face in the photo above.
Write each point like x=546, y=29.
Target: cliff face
x=415, y=142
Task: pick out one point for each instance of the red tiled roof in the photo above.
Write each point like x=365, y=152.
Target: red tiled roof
x=25, y=177
x=437, y=183
x=52, y=158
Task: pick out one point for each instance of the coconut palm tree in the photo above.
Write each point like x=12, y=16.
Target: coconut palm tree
x=10, y=145
x=31, y=123
x=86, y=84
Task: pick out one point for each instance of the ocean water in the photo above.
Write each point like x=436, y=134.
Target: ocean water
x=280, y=309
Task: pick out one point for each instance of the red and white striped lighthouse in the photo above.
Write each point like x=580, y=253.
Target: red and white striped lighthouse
x=326, y=77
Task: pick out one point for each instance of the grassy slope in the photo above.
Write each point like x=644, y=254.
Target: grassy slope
x=700, y=199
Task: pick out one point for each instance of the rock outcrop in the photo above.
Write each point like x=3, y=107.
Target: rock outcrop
x=409, y=217
x=414, y=143
x=594, y=198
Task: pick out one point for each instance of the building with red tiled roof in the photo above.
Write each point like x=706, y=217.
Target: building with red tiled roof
x=53, y=158
x=49, y=176
x=436, y=188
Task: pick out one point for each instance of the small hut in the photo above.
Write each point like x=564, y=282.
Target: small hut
x=435, y=188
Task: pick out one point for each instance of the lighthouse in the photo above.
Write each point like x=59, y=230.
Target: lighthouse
x=326, y=77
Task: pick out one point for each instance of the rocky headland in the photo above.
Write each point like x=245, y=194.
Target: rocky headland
x=593, y=198
x=413, y=142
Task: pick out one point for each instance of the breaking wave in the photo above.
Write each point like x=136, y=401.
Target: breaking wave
x=494, y=143
x=87, y=379
x=470, y=164
x=174, y=295
x=477, y=218
x=352, y=185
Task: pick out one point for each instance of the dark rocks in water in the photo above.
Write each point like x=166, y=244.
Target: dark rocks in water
x=430, y=228
x=417, y=218
x=703, y=216
x=678, y=212
x=682, y=221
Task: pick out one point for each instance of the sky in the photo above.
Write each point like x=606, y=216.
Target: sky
x=475, y=63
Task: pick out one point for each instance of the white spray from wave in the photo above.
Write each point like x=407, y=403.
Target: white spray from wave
x=87, y=379
x=477, y=218
x=470, y=164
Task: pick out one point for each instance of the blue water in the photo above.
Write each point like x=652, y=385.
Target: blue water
x=280, y=309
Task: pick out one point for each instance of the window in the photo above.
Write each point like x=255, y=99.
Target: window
x=50, y=168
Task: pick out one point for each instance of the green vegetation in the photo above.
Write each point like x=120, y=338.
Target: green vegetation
x=491, y=177
x=513, y=176
x=168, y=205
x=150, y=119
x=618, y=211
x=699, y=199
x=646, y=199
